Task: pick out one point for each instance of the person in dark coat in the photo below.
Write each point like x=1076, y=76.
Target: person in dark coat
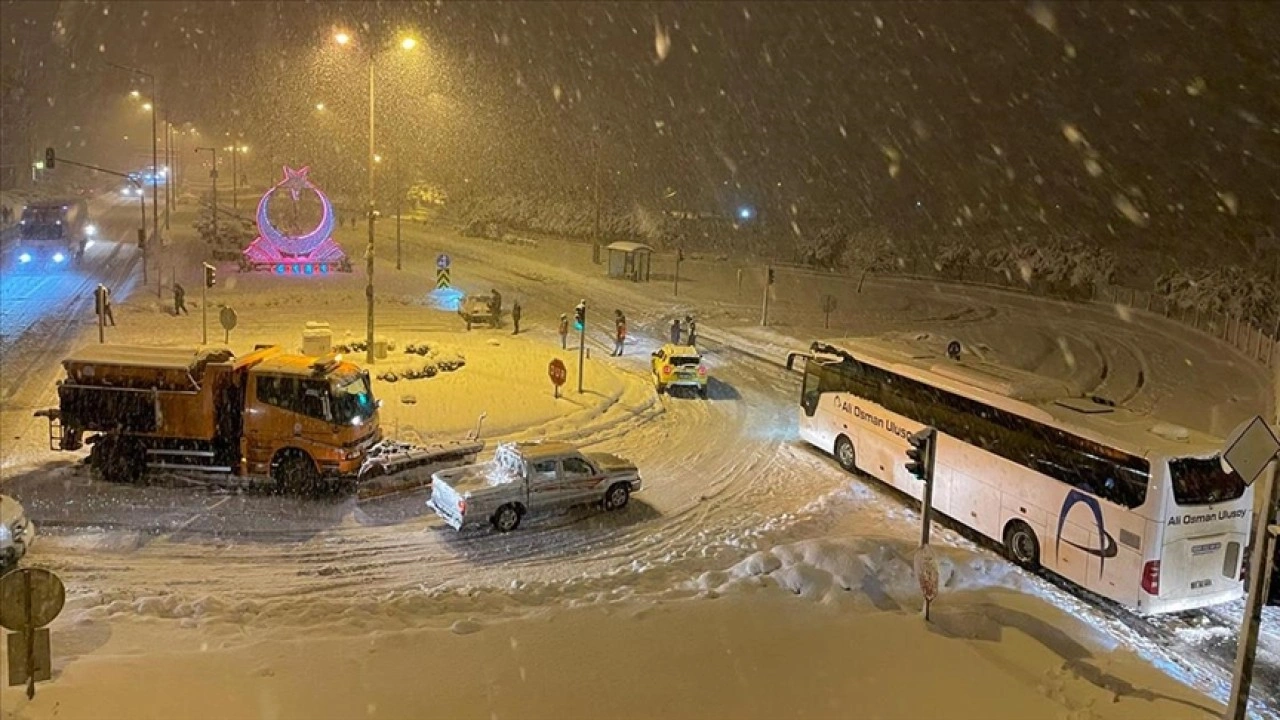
x=515, y=317
x=564, y=332
x=693, y=329
x=179, y=300
x=675, y=331
x=496, y=306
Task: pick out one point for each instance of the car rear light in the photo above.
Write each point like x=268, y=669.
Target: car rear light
x=462, y=507
x=702, y=370
x=1151, y=577
x=666, y=369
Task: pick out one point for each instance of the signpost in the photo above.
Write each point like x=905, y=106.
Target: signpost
x=30, y=598
x=227, y=316
x=558, y=374
x=828, y=307
x=100, y=307
x=768, y=285
x=1248, y=452
x=675, y=290
x=442, y=272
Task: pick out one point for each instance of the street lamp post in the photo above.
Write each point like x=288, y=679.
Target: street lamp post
x=168, y=167
x=407, y=43
x=155, y=191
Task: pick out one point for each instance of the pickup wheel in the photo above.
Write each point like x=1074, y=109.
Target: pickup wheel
x=294, y=471
x=617, y=496
x=506, y=519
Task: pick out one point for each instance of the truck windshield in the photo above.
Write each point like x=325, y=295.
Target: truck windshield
x=352, y=399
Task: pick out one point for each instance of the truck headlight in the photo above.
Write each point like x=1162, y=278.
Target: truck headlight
x=24, y=258
x=59, y=257
x=90, y=229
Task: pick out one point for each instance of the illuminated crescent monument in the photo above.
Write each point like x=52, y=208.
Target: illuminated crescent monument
x=308, y=253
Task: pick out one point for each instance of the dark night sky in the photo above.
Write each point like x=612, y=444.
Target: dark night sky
x=1149, y=120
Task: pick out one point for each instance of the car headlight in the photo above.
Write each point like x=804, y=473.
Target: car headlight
x=90, y=229
x=59, y=257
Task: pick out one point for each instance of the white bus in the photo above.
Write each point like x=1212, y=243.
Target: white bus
x=1137, y=511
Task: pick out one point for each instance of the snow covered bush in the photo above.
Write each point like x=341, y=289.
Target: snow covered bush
x=955, y=259
x=1054, y=266
x=1229, y=290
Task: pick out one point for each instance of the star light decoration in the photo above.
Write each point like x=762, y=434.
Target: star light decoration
x=296, y=181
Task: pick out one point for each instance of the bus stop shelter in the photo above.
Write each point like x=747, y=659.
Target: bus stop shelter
x=629, y=261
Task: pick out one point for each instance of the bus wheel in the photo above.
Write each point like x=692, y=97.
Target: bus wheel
x=845, y=455
x=1021, y=544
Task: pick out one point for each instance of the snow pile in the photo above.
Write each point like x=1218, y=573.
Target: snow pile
x=507, y=465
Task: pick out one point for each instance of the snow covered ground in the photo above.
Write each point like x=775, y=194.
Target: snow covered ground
x=729, y=569
x=821, y=628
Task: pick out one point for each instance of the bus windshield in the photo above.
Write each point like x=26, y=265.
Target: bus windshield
x=352, y=399
x=1203, y=482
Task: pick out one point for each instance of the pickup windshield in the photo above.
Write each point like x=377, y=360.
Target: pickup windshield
x=352, y=399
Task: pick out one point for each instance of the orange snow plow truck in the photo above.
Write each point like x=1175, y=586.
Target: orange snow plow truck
x=298, y=422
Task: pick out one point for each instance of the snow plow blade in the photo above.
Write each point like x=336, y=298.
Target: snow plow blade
x=393, y=467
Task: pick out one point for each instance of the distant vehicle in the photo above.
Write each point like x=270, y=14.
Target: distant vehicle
x=1138, y=511
x=302, y=422
x=16, y=533
x=54, y=232
x=527, y=476
x=679, y=366
x=477, y=310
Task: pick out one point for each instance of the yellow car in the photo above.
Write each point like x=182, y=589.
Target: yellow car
x=679, y=366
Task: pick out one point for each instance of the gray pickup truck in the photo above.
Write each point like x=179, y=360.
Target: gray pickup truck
x=526, y=476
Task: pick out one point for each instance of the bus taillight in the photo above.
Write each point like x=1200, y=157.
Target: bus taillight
x=1151, y=577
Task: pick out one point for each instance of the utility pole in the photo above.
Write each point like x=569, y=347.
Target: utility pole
x=168, y=168
x=213, y=174
x=368, y=253
x=595, y=239
x=399, y=197
x=768, y=283
x=1264, y=544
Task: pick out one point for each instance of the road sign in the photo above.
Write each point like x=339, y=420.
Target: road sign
x=41, y=658
x=442, y=279
x=558, y=372
x=47, y=596
x=1250, y=448
x=926, y=566
x=442, y=261
x=227, y=316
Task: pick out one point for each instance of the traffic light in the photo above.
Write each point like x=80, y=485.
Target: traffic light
x=48, y=158
x=770, y=276
x=580, y=316
x=920, y=456
x=210, y=275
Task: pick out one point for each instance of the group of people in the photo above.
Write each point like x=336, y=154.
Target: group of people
x=688, y=331
x=495, y=307
x=619, y=331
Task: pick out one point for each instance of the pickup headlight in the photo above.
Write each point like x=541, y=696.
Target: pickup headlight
x=6, y=535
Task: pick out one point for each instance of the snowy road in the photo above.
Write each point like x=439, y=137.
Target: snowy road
x=724, y=477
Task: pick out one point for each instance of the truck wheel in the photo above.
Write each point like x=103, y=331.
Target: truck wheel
x=617, y=496
x=506, y=519
x=294, y=471
x=118, y=460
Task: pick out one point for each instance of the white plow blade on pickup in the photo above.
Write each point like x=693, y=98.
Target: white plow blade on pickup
x=393, y=467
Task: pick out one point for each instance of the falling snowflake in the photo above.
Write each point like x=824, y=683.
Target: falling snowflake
x=661, y=40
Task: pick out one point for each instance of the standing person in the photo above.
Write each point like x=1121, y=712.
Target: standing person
x=675, y=331
x=515, y=317
x=693, y=329
x=564, y=332
x=619, y=333
x=497, y=306
x=179, y=300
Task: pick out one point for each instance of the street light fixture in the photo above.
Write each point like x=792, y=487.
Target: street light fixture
x=135, y=94
x=147, y=106
x=320, y=107
x=406, y=43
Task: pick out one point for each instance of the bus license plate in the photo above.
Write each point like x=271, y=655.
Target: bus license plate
x=1206, y=549
x=1200, y=584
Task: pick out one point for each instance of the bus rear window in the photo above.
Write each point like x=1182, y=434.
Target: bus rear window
x=1203, y=482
